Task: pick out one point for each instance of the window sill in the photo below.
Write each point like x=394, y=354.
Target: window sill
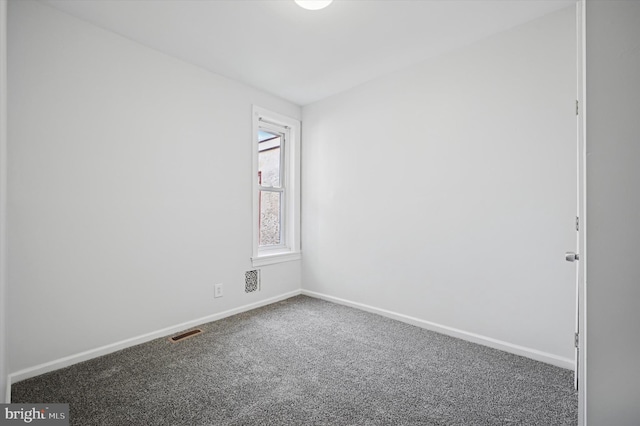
x=270, y=259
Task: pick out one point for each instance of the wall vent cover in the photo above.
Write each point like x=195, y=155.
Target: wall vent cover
x=252, y=281
x=185, y=335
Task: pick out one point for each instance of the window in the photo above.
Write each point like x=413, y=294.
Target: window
x=276, y=188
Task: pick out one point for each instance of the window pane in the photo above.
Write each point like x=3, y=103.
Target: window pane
x=269, y=218
x=269, y=159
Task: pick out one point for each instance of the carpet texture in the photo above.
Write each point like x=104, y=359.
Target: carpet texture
x=304, y=361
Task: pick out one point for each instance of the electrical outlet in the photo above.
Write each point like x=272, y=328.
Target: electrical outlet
x=218, y=291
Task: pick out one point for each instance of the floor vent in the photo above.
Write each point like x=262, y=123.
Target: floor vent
x=252, y=281
x=185, y=335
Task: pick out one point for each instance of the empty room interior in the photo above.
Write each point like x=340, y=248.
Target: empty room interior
x=376, y=212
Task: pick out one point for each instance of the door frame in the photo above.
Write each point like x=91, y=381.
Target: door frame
x=581, y=234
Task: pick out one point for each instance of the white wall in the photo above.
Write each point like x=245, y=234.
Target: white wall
x=613, y=209
x=446, y=192
x=129, y=189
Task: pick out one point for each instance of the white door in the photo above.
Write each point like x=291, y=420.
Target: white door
x=579, y=256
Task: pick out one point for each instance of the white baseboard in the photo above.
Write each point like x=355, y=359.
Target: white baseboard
x=454, y=332
x=450, y=331
x=107, y=349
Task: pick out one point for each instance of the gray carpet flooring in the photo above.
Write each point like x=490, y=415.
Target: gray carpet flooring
x=305, y=361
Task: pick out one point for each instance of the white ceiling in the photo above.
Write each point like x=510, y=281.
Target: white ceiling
x=303, y=55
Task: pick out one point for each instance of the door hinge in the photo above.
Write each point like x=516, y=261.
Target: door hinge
x=577, y=223
x=576, y=107
x=576, y=342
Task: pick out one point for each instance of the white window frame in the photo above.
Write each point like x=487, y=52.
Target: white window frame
x=289, y=249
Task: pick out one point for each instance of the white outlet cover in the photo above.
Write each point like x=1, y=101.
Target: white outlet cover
x=218, y=291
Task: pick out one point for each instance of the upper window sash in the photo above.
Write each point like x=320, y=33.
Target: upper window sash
x=280, y=133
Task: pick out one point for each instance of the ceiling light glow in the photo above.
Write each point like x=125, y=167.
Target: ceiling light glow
x=313, y=4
